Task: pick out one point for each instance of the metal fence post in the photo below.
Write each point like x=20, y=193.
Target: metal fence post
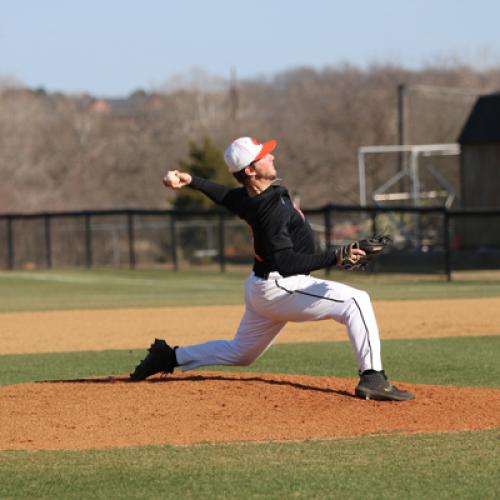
x=446, y=242
x=328, y=233
x=222, y=250
x=49, y=253
x=88, y=241
x=10, y=244
x=374, y=222
x=375, y=265
x=48, y=241
x=131, y=249
x=173, y=242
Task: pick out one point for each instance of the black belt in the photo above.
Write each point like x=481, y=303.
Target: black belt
x=263, y=275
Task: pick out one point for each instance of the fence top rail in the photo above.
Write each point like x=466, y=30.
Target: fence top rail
x=111, y=212
x=474, y=211
x=373, y=210
x=448, y=148
x=407, y=208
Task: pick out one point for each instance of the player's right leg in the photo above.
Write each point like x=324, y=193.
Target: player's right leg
x=255, y=334
x=160, y=359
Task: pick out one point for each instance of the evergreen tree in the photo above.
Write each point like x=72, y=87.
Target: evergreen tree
x=206, y=161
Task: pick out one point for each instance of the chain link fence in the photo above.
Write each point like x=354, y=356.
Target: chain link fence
x=425, y=240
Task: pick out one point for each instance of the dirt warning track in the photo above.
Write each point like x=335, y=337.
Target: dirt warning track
x=58, y=331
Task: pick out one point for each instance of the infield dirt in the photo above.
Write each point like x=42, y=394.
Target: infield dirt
x=59, y=331
x=214, y=407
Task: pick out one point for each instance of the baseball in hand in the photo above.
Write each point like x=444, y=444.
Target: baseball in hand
x=171, y=179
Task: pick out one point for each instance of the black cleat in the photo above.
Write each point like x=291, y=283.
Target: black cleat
x=160, y=359
x=374, y=385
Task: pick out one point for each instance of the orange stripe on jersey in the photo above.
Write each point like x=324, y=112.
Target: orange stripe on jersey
x=299, y=210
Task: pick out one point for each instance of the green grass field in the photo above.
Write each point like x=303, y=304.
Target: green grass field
x=452, y=465
x=446, y=465
x=111, y=288
x=465, y=361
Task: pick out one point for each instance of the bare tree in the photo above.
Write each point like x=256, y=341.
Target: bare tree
x=61, y=152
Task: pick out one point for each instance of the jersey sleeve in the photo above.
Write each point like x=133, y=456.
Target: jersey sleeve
x=289, y=262
x=222, y=195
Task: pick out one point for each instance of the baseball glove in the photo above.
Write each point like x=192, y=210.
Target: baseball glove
x=371, y=246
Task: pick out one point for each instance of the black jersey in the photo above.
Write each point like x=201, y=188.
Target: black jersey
x=283, y=239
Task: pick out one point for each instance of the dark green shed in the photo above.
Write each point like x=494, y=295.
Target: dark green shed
x=480, y=155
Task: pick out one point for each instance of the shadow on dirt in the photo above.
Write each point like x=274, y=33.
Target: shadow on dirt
x=197, y=378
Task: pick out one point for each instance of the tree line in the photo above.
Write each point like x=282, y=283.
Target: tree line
x=66, y=152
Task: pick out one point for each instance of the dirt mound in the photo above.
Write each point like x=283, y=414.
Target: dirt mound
x=215, y=407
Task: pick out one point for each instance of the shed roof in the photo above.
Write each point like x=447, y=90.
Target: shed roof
x=483, y=124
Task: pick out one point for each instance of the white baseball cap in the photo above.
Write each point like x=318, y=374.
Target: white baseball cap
x=245, y=150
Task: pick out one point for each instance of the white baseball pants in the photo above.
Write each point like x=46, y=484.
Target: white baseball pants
x=271, y=303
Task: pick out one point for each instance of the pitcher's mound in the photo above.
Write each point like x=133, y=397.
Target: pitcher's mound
x=221, y=407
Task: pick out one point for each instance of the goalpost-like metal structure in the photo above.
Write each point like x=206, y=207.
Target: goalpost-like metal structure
x=409, y=168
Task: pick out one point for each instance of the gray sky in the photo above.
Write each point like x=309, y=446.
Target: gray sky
x=113, y=47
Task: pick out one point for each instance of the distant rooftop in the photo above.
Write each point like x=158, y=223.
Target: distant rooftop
x=128, y=106
x=483, y=124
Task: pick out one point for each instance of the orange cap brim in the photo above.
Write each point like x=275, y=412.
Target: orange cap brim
x=267, y=147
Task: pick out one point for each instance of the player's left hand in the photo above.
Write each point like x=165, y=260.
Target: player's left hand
x=349, y=255
x=358, y=254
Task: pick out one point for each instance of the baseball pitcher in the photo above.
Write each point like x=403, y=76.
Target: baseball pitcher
x=280, y=287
